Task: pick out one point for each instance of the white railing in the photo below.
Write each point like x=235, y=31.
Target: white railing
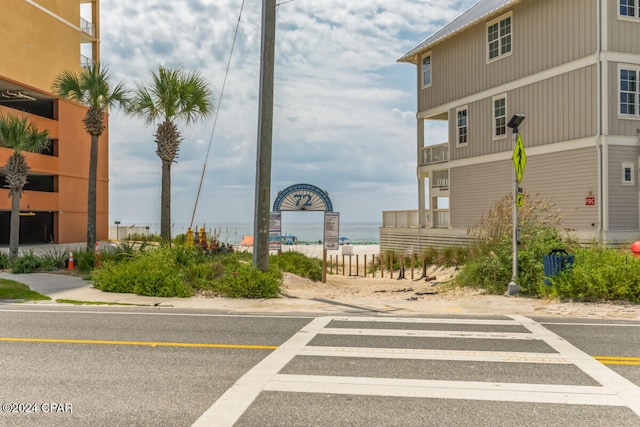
x=409, y=219
x=440, y=218
x=87, y=27
x=403, y=219
x=440, y=179
x=435, y=154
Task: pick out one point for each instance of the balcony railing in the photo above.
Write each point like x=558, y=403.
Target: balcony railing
x=440, y=179
x=435, y=154
x=403, y=219
x=409, y=219
x=87, y=27
x=440, y=218
x=85, y=61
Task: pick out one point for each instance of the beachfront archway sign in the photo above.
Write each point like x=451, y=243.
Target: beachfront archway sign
x=302, y=197
x=306, y=197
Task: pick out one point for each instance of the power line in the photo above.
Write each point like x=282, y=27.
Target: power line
x=215, y=119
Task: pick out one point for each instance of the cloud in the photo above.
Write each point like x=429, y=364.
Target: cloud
x=344, y=110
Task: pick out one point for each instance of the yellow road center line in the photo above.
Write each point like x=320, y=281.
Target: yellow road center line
x=142, y=343
x=619, y=363
x=614, y=360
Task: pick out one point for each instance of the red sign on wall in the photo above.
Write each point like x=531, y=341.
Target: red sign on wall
x=589, y=201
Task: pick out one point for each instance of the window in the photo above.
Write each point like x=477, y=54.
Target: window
x=628, y=92
x=499, y=38
x=499, y=116
x=462, y=126
x=426, y=70
x=627, y=174
x=628, y=8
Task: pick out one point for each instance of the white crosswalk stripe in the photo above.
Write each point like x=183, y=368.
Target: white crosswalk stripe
x=613, y=389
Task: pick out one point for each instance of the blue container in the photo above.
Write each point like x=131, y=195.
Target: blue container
x=555, y=262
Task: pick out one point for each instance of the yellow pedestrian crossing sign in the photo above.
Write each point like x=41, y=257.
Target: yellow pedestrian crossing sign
x=519, y=158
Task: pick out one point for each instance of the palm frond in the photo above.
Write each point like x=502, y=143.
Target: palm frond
x=172, y=94
x=91, y=88
x=19, y=134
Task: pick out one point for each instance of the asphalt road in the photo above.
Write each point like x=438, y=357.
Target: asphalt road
x=160, y=366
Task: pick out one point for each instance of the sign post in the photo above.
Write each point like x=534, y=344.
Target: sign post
x=275, y=232
x=331, y=238
x=519, y=161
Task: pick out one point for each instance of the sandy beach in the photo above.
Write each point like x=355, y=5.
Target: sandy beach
x=420, y=296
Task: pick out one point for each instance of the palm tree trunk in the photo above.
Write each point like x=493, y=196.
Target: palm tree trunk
x=92, y=195
x=14, y=230
x=165, y=202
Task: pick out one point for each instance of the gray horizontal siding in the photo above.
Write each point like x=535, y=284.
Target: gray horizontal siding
x=622, y=35
x=559, y=109
x=417, y=240
x=546, y=34
x=623, y=199
x=475, y=189
x=618, y=126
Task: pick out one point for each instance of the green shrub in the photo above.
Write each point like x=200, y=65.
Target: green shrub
x=202, y=275
x=599, y=274
x=178, y=271
x=246, y=281
x=299, y=264
x=27, y=263
x=490, y=260
x=144, y=237
x=53, y=259
x=5, y=261
x=153, y=273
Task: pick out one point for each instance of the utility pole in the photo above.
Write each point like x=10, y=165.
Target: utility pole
x=265, y=127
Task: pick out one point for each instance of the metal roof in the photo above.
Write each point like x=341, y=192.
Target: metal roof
x=466, y=19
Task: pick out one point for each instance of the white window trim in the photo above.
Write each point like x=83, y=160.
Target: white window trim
x=631, y=166
x=424, y=86
x=629, y=18
x=493, y=115
x=635, y=68
x=486, y=42
x=457, y=144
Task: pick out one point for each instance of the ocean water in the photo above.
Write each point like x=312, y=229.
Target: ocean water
x=306, y=232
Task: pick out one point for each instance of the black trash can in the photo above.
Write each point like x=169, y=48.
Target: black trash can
x=555, y=262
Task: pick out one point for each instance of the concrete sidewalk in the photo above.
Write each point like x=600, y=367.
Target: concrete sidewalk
x=73, y=288
x=69, y=287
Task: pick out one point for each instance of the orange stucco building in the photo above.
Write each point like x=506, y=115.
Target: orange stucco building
x=38, y=40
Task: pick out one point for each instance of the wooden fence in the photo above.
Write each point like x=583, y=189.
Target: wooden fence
x=383, y=265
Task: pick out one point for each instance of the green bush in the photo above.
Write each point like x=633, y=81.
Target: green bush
x=84, y=260
x=299, y=264
x=490, y=260
x=153, y=273
x=599, y=274
x=27, y=263
x=5, y=261
x=246, y=281
x=53, y=259
x=179, y=271
x=202, y=275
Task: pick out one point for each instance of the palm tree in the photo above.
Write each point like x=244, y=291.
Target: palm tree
x=91, y=88
x=18, y=134
x=172, y=95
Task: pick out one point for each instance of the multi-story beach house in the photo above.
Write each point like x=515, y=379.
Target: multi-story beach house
x=572, y=68
x=38, y=40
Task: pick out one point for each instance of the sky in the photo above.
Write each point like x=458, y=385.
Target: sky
x=344, y=108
